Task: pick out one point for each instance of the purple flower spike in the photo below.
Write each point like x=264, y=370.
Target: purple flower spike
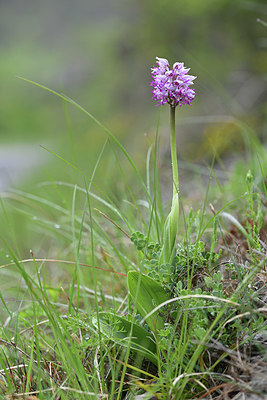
x=172, y=85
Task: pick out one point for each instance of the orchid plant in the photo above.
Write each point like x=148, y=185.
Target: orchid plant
x=172, y=86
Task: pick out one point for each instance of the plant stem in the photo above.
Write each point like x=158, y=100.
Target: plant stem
x=171, y=223
x=174, y=152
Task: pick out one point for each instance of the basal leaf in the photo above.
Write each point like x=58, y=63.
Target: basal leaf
x=150, y=295
x=118, y=329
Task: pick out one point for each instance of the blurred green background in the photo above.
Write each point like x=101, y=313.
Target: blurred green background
x=99, y=53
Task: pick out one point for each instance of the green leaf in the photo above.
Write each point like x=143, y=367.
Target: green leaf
x=148, y=294
x=169, y=233
x=118, y=329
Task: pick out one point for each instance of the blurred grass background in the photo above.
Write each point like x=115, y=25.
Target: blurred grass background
x=99, y=53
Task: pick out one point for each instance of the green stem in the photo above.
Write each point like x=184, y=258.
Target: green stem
x=171, y=223
x=174, y=153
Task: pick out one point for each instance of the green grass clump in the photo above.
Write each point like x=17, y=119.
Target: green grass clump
x=114, y=322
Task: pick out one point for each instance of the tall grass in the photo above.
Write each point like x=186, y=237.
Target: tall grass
x=74, y=327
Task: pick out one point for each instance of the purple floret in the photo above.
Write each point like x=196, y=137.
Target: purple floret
x=172, y=85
